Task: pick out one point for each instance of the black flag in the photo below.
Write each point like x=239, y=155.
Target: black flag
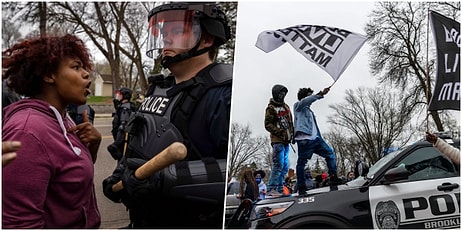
x=446, y=32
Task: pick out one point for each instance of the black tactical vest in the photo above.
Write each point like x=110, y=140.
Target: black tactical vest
x=163, y=118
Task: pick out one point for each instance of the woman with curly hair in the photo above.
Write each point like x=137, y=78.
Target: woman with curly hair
x=50, y=183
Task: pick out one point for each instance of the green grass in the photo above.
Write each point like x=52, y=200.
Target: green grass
x=99, y=99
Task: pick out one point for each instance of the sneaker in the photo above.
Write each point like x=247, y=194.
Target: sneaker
x=334, y=180
x=302, y=190
x=333, y=187
x=285, y=191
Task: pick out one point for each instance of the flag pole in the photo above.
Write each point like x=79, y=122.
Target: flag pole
x=427, y=92
x=332, y=84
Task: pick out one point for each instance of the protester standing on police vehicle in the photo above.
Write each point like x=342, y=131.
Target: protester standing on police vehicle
x=50, y=183
x=278, y=122
x=309, y=139
x=191, y=106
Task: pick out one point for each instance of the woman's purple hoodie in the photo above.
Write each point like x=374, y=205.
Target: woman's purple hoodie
x=50, y=183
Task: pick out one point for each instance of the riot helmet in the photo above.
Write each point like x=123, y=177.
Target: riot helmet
x=180, y=25
x=123, y=93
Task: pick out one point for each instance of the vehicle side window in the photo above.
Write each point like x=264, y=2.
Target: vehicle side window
x=233, y=188
x=427, y=163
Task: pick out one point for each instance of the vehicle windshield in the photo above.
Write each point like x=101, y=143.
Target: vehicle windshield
x=359, y=181
x=356, y=182
x=379, y=164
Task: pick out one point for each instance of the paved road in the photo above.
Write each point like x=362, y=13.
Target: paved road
x=113, y=215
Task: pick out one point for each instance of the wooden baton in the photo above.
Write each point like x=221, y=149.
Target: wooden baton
x=171, y=154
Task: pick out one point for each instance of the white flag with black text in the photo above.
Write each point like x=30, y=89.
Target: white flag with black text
x=332, y=49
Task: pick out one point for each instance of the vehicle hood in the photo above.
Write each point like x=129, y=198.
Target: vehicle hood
x=348, y=186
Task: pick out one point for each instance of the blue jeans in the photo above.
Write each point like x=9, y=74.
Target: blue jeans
x=306, y=148
x=280, y=166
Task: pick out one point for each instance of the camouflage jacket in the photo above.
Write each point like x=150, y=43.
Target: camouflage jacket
x=278, y=122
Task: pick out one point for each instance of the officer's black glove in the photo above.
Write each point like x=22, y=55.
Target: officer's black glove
x=136, y=188
x=113, y=179
x=107, y=189
x=116, y=103
x=115, y=151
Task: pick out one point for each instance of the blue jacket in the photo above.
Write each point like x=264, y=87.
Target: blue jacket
x=303, y=121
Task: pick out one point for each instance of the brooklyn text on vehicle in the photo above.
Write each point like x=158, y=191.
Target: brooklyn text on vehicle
x=452, y=222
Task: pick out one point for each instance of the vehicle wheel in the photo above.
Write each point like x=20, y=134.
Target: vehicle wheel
x=316, y=222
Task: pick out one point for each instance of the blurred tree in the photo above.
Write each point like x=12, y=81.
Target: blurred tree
x=114, y=34
x=347, y=149
x=244, y=149
x=318, y=169
x=30, y=12
x=267, y=160
x=377, y=117
x=10, y=34
x=227, y=50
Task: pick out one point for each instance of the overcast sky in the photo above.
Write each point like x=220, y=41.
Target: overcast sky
x=255, y=72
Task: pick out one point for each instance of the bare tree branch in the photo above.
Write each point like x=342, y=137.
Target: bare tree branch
x=398, y=37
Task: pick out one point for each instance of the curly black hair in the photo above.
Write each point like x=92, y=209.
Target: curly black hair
x=304, y=92
x=27, y=62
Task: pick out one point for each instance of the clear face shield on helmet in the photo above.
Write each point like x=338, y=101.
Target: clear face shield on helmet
x=118, y=95
x=173, y=29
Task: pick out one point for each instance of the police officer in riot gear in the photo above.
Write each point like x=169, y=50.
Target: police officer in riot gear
x=191, y=106
x=124, y=108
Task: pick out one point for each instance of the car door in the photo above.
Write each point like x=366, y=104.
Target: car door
x=427, y=199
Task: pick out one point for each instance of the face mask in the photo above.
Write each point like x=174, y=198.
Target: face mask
x=258, y=180
x=281, y=96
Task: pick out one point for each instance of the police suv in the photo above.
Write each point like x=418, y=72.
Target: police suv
x=412, y=188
